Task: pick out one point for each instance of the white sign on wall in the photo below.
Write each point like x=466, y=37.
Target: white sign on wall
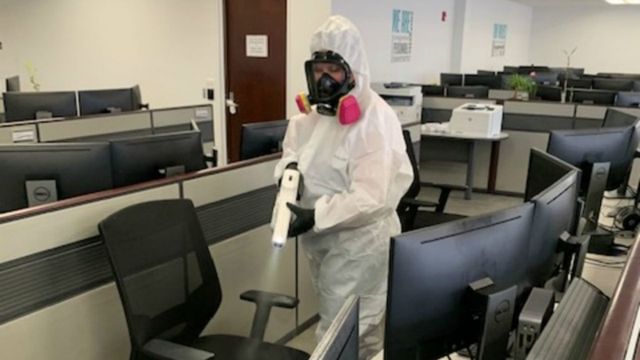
x=257, y=45
x=401, y=32
x=499, y=42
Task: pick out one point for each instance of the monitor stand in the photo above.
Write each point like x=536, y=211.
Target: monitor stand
x=41, y=192
x=172, y=170
x=601, y=241
x=491, y=311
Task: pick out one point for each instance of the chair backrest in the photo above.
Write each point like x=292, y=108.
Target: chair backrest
x=166, y=278
x=414, y=189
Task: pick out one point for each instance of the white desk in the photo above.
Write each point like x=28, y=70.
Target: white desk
x=461, y=148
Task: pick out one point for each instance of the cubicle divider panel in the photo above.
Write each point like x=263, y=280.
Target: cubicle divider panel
x=102, y=127
x=57, y=284
x=595, y=112
x=23, y=133
x=535, y=123
x=179, y=119
x=514, y=159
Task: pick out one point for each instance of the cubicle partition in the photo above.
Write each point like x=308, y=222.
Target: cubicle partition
x=111, y=126
x=57, y=285
x=526, y=122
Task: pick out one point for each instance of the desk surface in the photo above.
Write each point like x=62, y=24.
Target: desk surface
x=501, y=136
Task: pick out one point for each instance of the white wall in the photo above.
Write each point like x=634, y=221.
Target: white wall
x=480, y=16
x=431, y=42
x=169, y=48
x=607, y=37
x=303, y=18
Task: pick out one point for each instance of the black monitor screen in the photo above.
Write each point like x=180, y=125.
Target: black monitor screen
x=76, y=169
x=593, y=97
x=579, y=83
x=490, y=81
x=545, y=78
x=450, y=79
x=549, y=93
x=617, y=118
x=471, y=92
x=20, y=106
x=430, y=270
x=150, y=157
x=105, y=101
x=628, y=99
x=613, y=84
x=552, y=185
x=432, y=90
x=582, y=148
x=262, y=138
x=13, y=83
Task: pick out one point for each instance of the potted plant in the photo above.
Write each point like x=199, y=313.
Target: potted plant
x=524, y=87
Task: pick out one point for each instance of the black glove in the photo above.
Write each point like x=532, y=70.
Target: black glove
x=305, y=219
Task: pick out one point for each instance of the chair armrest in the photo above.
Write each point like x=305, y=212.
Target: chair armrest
x=272, y=299
x=167, y=350
x=417, y=203
x=264, y=302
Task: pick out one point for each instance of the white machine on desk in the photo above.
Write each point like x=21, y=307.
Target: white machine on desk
x=405, y=100
x=477, y=119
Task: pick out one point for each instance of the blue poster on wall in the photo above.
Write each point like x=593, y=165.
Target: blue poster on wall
x=401, y=32
x=499, y=42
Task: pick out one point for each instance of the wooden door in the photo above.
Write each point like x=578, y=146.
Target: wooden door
x=255, y=78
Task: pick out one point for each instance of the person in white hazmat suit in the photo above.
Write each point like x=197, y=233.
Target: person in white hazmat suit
x=350, y=152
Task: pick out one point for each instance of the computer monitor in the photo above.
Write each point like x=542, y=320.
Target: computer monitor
x=471, y=92
x=617, y=118
x=613, y=84
x=13, y=83
x=430, y=270
x=549, y=93
x=36, y=174
x=150, y=157
x=106, y=101
x=628, y=99
x=490, y=81
x=485, y=72
x=579, y=83
x=450, y=79
x=340, y=341
x=583, y=147
x=593, y=97
x=528, y=69
x=510, y=69
x=546, y=78
x=552, y=185
x=432, y=90
x=20, y=106
x=262, y=138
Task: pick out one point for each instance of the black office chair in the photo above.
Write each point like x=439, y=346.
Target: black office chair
x=409, y=208
x=169, y=287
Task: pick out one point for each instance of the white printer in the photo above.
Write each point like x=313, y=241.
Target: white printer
x=483, y=120
x=405, y=100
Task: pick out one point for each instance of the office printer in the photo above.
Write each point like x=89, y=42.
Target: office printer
x=404, y=99
x=483, y=120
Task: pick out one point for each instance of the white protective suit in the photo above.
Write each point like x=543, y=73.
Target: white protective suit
x=354, y=177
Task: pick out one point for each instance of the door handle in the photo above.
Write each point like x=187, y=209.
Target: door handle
x=231, y=104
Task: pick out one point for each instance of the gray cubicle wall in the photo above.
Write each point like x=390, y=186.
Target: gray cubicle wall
x=57, y=287
x=112, y=126
x=528, y=125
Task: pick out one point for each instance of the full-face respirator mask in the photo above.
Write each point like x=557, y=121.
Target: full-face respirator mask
x=330, y=96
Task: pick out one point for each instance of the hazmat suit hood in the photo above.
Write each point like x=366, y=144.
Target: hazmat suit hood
x=339, y=35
